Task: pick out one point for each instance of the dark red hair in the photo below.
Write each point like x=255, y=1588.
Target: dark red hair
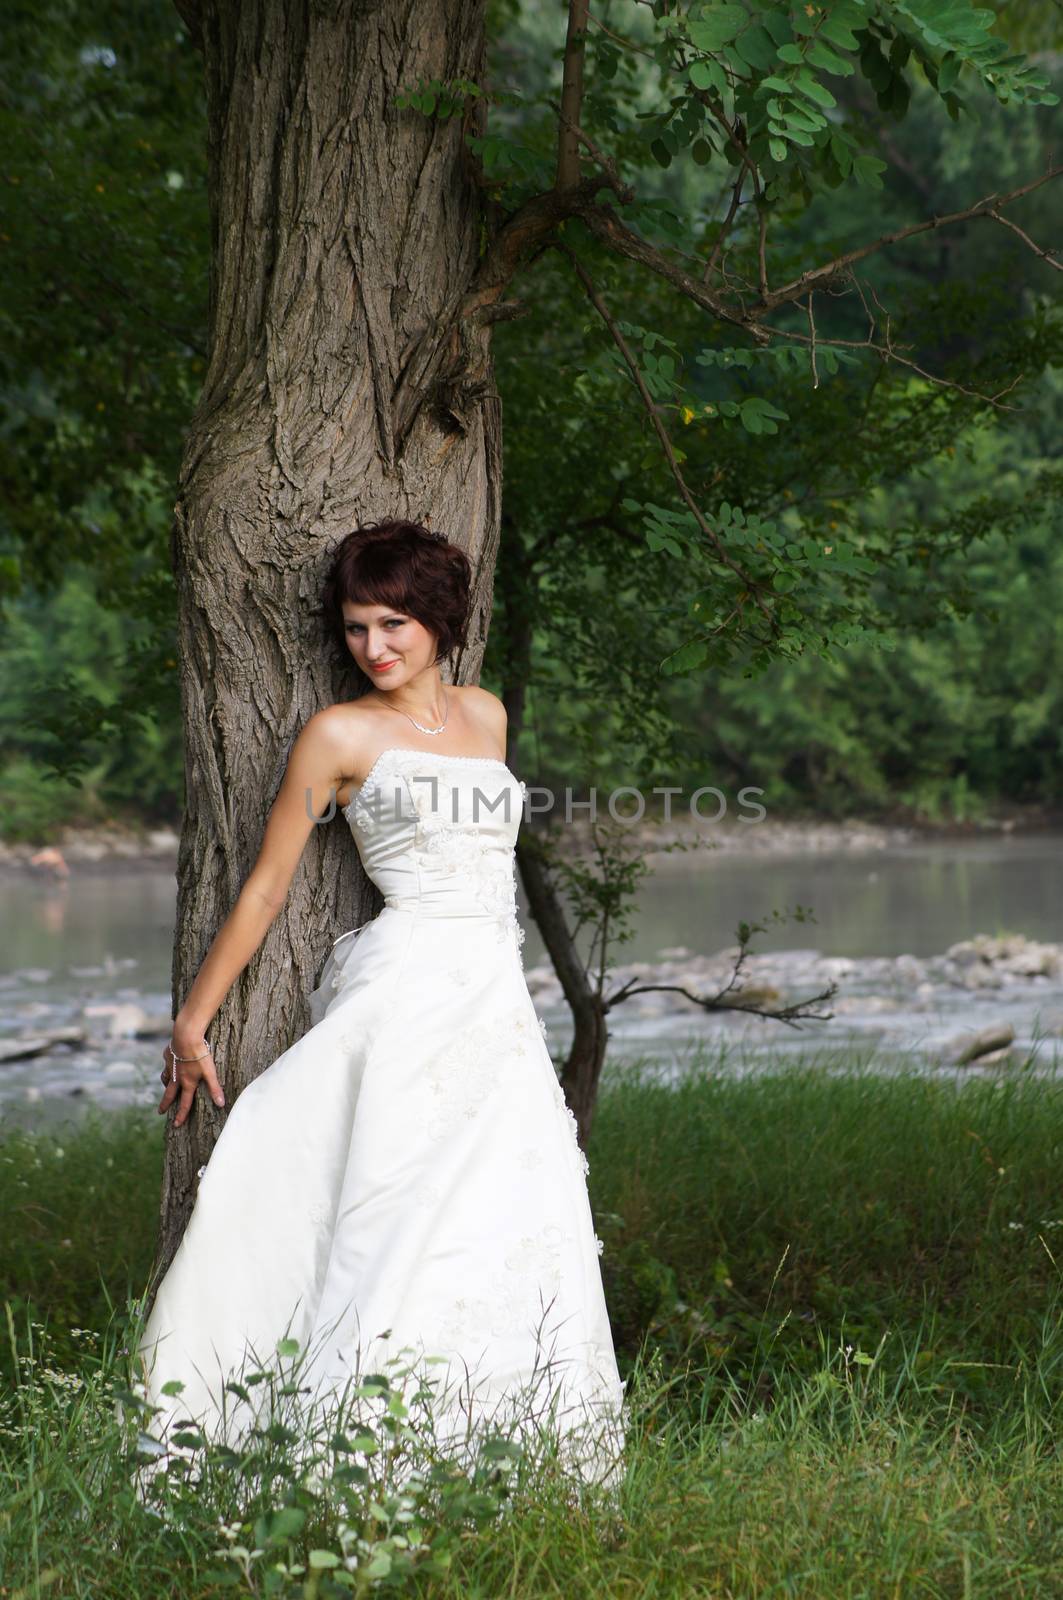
x=406, y=567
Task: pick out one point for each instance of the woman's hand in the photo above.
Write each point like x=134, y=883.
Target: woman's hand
x=189, y=1074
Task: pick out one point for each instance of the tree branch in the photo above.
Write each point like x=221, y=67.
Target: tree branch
x=1046, y=255
x=989, y=207
x=888, y=351
x=725, y=227
x=568, y=165
x=796, y=1012
x=190, y=13
x=623, y=191
x=537, y=222
x=604, y=223
x=621, y=343
x=628, y=44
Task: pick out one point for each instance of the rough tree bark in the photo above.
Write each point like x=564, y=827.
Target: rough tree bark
x=340, y=388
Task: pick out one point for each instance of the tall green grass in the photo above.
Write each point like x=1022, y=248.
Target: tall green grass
x=836, y=1297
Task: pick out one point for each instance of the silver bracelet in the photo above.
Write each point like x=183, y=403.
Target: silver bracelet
x=176, y=1058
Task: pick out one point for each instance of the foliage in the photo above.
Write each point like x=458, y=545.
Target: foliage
x=80, y=743
x=103, y=310
x=103, y=228
x=968, y=714
x=643, y=614
x=847, y=476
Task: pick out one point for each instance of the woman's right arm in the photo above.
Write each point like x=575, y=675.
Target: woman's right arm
x=317, y=766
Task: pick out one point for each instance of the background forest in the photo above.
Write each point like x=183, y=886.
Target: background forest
x=103, y=284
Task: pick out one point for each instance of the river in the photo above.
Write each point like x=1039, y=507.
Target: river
x=102, y=938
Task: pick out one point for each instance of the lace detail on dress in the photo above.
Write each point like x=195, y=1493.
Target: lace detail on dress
x=485, y=867
x=573, y=1126
x=471, y=1068
x=520, y=1297
x=397, y=752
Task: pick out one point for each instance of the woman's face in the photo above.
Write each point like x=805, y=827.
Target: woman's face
x=390, y=647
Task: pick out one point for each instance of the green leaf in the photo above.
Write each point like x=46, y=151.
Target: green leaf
x=867, y=169
x=874, y=66
x=778, y=150
x=319, y=1559
x=759, y=416
x=896, y=99
x=661, y=153
x=608, y=59
x=805, y=116
x=702, y=75
x=803, y=23
x=756, y=46
x=657, y=541
x=811, y=87
x=821, y=55
x=842, y=154
x=948, y=72
x=688, y=658
x=778, y=25
x=717, y=26
x=286, y=1522
x=837, y=31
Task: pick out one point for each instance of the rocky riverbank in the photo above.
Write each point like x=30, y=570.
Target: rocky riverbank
x=984, y=999
x=981, y=1005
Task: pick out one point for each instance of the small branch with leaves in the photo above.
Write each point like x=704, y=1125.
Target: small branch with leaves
x=751, y=584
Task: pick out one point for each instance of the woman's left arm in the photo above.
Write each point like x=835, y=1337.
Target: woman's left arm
x=315, y=770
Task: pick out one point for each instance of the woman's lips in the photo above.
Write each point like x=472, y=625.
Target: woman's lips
x=382, y=666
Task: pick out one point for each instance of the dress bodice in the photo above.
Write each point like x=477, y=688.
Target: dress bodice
x=436, y=833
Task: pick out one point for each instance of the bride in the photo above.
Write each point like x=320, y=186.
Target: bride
x=403, y=1184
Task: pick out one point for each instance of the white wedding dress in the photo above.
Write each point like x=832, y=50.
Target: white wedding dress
x=406, y=1176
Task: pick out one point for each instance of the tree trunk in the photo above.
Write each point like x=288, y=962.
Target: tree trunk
x=344, y=233
x=590, y=1034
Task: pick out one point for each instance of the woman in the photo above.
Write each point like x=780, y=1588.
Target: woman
x=403, y=1182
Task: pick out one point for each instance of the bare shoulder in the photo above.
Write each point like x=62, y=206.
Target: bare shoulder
x=486, y=709
x=332, y=725
x=345, y=730
x=475, y=696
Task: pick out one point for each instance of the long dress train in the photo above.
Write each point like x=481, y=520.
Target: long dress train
x=406, y=1176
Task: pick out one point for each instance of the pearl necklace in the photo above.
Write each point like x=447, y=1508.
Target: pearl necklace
x=420, y=726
